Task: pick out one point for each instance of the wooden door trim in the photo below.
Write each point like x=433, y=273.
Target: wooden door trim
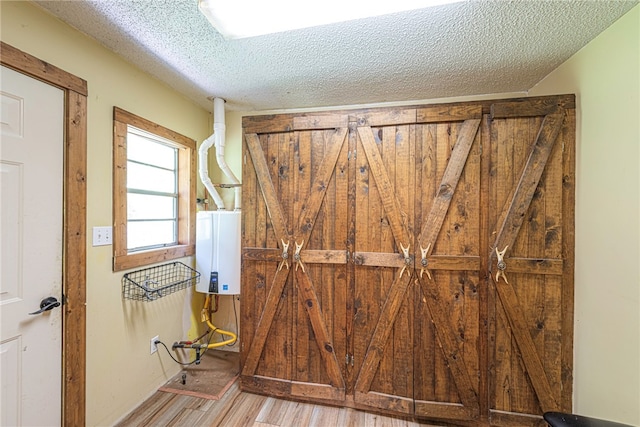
x=509, y=225
x=74, y=255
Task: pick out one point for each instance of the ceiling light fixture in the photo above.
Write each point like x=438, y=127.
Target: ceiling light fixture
x=236, y=19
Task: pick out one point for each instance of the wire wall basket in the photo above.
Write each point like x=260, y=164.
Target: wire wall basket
x=152, y=283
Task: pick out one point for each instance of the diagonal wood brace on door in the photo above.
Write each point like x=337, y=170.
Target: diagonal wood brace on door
x=502, y=266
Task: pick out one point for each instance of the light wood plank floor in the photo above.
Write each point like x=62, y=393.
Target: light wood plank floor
x=237, y=409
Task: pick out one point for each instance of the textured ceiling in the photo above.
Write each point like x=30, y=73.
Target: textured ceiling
x=466, y=48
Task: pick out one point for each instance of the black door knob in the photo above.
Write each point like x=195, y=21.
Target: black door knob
x=47, y=304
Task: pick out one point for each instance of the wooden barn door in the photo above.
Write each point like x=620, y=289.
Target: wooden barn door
x=531, y=259
x=417, y=251
x=383, y=320
x=415, y=261
x=294, y=261
x=448, y=247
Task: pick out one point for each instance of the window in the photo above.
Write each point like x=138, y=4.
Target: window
x=153, y=192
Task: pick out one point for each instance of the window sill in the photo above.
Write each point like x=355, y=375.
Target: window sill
x=140, y=259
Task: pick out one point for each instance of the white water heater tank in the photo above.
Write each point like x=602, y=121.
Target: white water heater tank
x=218, y=252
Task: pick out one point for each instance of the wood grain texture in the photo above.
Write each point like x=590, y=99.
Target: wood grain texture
x=448, y=347
x=394, y=116
x=440, y=206
x=309, y=300
x=395, y=215
x=568, y=245
x=350, y=288
x=292, y=171
x=264, y=323
x=242, y=409
x=449, y=342
x=514, y=212
x=448, y=113
x=509, y=225
x=446, y=352
x=74, y=317
x=41, y=70
x=485, y=314
x=123, y=116
x=381, y=333
x=310, y=208
x=276, y=215
x=267, y=123
x=527, y=107
x=327, y=121
x=384, y=316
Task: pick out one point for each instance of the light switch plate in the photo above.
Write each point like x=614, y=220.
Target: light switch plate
x=102, y=236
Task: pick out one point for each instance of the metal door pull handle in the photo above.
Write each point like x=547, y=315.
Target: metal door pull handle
x=46, y=305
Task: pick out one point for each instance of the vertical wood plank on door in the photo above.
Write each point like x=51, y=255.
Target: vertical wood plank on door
x=550, y=244
x=249, y=278
x=447, y=282
x=306, y=362
x=499, y=329
x=286, y=171
x=353, y=304
x=270, y=351
x=485, y=314
x=468, y=208
x=426, y=349
x=367, y=283
x=278, y=345
x=325, y=228
x=343, y=299
x=502, y=165
x=385, y=138
x=568, y=244
x=401, y=384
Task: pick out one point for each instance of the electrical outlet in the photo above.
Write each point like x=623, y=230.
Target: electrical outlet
x=154, y=346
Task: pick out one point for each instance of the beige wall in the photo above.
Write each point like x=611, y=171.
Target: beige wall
x=605, y=76
x=120, y=370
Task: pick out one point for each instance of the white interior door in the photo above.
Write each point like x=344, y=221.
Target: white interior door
x=31, y=232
